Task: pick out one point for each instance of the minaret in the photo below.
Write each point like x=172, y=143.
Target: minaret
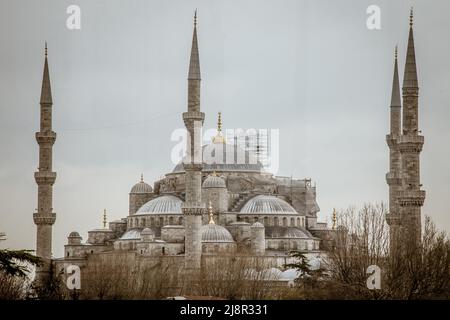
x=44, y=218
x=410, y=145
x=193, y=207
x=393, y=177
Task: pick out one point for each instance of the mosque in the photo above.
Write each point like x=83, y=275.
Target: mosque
x=202, y=209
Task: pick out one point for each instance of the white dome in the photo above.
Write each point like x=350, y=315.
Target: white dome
x=141, y=187
x=214, y=233
x=166, y=204
x=214, y=182
x=265, y=204
x=216, y=158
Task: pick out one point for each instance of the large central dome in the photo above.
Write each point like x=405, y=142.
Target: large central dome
x=226, y=157
x=162, y=205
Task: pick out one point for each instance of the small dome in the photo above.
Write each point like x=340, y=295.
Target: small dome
x=74, y=234
x=265, y=204
x=214, y=233
x=213, y=181
x=141, y=187
x=147, y=231
x=166, y=204
x=257, y=225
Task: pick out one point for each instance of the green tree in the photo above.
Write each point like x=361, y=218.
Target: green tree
x=17, y=262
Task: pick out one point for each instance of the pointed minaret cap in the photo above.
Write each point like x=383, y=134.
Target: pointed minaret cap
x=410, y=75
x=194, y=64
x=395, y=97
x=46, y=91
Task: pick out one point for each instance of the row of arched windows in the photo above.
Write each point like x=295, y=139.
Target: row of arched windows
x=142, y=222
x=269, y=221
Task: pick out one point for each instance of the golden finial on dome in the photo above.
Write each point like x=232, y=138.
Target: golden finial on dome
x=195, y=17
x=46, y=48
x=104, y=218
x=142, y=177
x=219, y=138
x=411, y=17
x=211, y=214
x=396, y=52
x=334, y=219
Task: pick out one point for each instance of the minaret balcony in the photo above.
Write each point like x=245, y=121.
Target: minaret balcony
x=45, y=178
x=394, y=178
x=391, y=140
x=411, y=198
x=193, y=115
x=411, y=143
x=48, y=218
x=46, y=137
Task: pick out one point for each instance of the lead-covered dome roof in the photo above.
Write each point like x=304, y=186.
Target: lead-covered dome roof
x=166, y=204
x=214, y=233
x=213, y=181
x=141, y=187
x=226, y=157
x=266, y=204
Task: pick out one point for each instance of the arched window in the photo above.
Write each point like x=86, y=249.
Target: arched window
x=266, y=221
x=275, y=221
x=180, y=220
x=171, y=220
x=298, y=222
x=161, y=221
x=292, y=222
x=284, y=222
x=142, y=222
x=246, y=219
x=152, y=221
x=68, y=254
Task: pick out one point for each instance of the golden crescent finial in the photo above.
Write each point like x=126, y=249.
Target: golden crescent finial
x=46, y=51
x=104, y=218
x=195, y=17
x=334, y=219
x=411, y=17
x=396, y=52
x=142, y=177
x=211, y=214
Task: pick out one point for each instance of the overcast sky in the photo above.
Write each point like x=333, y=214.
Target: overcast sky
x=311, y=69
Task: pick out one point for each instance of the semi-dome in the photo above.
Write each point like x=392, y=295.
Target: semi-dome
x=214, y=233
x=141, y=187
x=166, y=204
x=132, y=234
x=214, y=181
x=216, y=158
x=265, y=204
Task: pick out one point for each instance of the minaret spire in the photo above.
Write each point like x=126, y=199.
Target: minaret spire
x=44, y=218
x=410, y=75
x=194, y=64
x=395, y=96
x=46, y=91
